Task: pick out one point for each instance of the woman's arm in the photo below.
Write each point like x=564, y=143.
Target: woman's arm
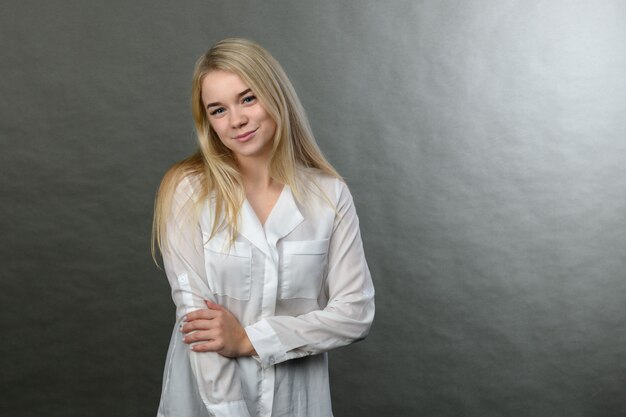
x=183, y=257
x=216, y=330
x=350, y=310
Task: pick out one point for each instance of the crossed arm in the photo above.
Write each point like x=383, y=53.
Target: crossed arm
x=216, y=330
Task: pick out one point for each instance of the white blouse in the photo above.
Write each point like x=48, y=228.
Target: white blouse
x=299, y=285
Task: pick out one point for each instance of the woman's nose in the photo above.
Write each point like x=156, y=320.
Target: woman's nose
x=238, y=118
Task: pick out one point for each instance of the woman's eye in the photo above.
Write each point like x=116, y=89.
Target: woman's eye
x=249, y=99
x=217, y=111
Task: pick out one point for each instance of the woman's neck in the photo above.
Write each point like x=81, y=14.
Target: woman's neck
x=261, y=191
x=255, y=174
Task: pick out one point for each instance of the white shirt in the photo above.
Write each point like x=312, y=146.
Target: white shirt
x=300, y=286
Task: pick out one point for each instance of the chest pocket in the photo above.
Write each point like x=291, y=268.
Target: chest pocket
x=303, y=266
x=228, y=268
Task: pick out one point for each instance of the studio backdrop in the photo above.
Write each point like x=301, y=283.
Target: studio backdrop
x=484, y=143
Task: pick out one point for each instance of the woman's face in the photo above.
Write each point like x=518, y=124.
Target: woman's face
x=237, y=117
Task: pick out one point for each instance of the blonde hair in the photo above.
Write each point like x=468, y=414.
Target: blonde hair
x=213, y=164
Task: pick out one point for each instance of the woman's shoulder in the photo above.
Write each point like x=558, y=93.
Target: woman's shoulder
x=331, y=186
x=319, y=177
x=184, y=183
x=189, y=185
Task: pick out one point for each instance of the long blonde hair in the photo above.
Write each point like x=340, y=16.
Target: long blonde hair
x=213, y=163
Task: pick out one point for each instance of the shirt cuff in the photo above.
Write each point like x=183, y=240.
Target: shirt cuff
x=266, y=343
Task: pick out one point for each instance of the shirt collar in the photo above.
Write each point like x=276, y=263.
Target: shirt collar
x=282, y=220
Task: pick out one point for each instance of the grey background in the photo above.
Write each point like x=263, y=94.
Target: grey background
x=484, y=142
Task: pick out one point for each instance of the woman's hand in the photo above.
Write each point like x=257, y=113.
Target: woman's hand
x=216, y=330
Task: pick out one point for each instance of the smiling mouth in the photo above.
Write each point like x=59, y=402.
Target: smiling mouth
x=245, y=136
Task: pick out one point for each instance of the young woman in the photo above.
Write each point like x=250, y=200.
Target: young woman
x=261, y=246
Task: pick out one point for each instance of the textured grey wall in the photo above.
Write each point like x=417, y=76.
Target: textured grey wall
x=484, y=142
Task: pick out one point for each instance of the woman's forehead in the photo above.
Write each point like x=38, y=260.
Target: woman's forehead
x=220, y=85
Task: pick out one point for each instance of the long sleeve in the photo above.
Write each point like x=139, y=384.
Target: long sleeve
x=349, y=312
x=216, y=377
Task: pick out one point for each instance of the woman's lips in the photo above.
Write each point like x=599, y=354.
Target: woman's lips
x=245, y=136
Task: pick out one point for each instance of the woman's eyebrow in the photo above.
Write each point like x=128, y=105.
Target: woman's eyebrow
x=243, y=93
x=217, y=103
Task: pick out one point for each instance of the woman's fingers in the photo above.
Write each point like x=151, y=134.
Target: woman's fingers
x=206, y=314
x=214, y=306
x=210, y=346
x=201, y=336
x=216, y=330
x=199, y=324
